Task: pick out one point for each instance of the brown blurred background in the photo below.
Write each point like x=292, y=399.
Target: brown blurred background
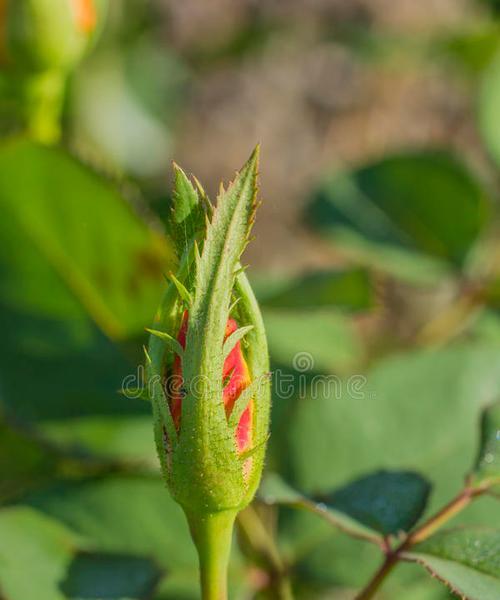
x=322, y=84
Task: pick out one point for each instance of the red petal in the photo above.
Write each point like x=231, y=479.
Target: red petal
x=235, y=368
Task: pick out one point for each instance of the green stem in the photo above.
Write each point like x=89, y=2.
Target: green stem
x=262, y=542
x=374, y=584
x=44, y=96
x=212, y=535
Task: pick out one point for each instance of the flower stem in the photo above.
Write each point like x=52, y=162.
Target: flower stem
x=212, y=535
x=455, y=506
x=379, y=577
x=263, y=544
x=44, y=95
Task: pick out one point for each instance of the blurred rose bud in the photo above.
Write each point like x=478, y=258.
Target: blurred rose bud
x=208, y=368
x=41, y=35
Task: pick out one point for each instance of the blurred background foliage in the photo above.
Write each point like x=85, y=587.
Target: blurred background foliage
x=376, y=253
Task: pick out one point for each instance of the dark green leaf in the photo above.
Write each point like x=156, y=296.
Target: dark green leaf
x=56, y=368
x=386, y=501
x=350, y=290
x=101, y=576
x=28, y=461
x=402, y=211
x=24, y=461
x=274, y=490
x=118, y=437
x=494, y=4
x=466, y=560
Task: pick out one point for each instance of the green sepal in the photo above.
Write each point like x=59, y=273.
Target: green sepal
x=234, y=305
x=173, y=343
x=234, y=338
x=188, y=214
x=244, y=456
x=243, y=399
x=181, y=288
x=163, y=422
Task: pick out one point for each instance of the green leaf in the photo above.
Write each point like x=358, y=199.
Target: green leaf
x=473, y=47
x=65, y=234
x=348, y=289
x=34, y=554
x=123, y=514
x=55, y=368
x=387, y=501
x=489, y=98
x=466, y=560
x=386, y=214
x=132, y=515
x=487, y=468
x=24, y=462
x=43, y=559
x=274, y=490
x=125, y=438
x=319, y=341
x=414, y=411
x=494, y=5
x=28, y=461
x=110, y=576
x=70, y=247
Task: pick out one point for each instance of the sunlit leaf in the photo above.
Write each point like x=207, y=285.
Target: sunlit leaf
x=466, y=560
x=34, y=554
x=68, y=234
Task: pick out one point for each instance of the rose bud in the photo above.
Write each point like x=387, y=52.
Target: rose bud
x=208, y=369
x=41, y=41
x=42, y=35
